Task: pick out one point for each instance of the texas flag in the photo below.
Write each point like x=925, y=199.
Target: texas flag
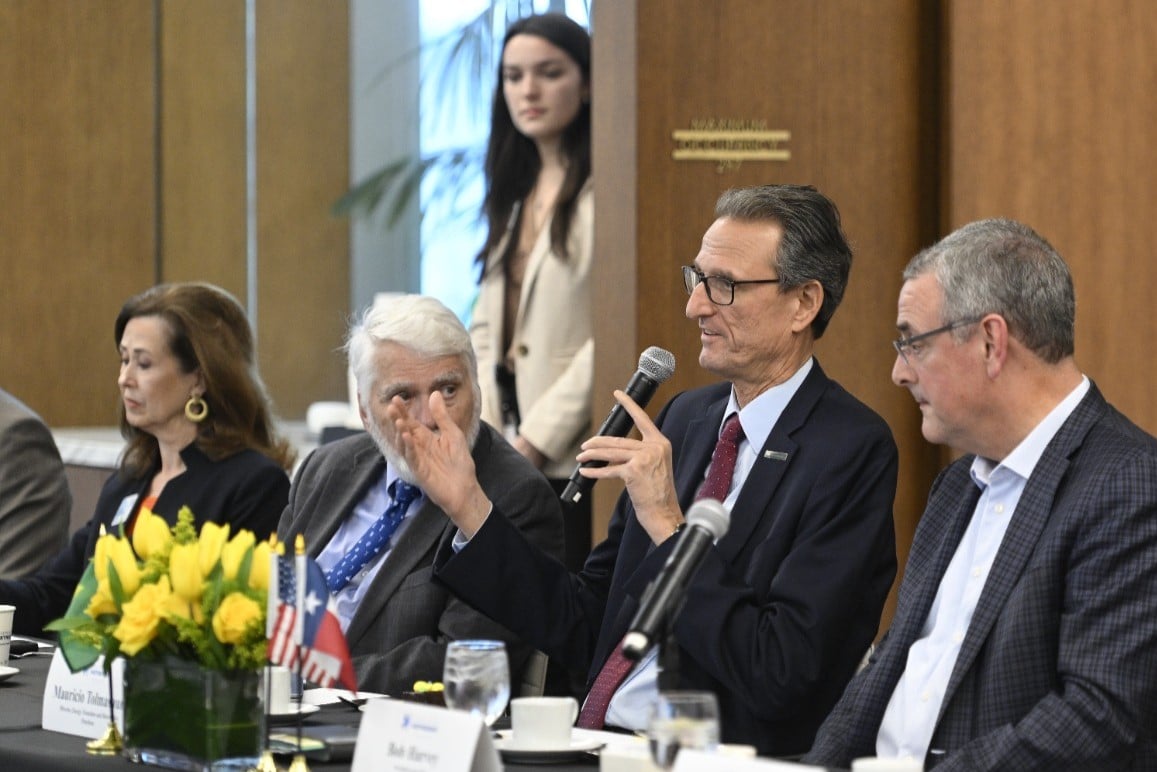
x=305, y=615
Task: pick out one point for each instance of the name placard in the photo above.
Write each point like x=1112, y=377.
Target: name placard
x=400, y=736
x=77, y=703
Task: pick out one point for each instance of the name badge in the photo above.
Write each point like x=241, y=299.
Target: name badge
x=128, y=503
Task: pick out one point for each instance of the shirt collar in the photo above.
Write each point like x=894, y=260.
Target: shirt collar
x=761, y=413
x=1025, y=456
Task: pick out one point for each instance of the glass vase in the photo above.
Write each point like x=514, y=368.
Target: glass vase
x=179, y=715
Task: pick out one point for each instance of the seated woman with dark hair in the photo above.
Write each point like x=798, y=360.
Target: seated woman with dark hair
x=199, y=433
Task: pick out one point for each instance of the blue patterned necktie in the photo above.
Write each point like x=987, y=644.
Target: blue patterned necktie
x=375, y=539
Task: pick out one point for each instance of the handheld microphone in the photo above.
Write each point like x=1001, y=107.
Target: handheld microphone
x=707, y=521
x=655, y=366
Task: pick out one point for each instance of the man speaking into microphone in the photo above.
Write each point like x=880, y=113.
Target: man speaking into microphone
x=783, y=606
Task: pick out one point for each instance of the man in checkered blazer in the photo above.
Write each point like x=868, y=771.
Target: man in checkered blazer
x=1025, y=633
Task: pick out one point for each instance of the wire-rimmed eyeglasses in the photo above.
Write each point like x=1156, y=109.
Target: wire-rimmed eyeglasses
x=910, y=347
x=720, y=289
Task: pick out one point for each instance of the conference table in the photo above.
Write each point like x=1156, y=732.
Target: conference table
x=25, y=747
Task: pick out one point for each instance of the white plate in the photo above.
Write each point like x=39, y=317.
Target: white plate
x=7, y=672
x=292, y=714
x=577, y=748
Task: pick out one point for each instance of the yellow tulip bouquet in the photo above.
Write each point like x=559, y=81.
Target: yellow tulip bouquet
x=171, y=593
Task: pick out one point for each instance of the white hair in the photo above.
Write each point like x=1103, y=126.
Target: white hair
x=421, y=324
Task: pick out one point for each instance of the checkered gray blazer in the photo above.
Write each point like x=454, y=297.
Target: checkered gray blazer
x=1058, y=669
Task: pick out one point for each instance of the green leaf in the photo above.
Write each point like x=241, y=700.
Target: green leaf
x=78, y=652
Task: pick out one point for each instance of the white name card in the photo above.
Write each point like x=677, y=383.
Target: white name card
x=704, y=761
x=77, y=703
x=400, y=736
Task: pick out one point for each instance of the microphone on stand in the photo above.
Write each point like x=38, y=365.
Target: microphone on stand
x=707, y=521
x=655, y=366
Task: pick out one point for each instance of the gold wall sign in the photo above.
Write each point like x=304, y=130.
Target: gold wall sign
x=730, y=142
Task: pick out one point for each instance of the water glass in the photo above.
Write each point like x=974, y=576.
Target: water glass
x=682, y=719
x=476, y=678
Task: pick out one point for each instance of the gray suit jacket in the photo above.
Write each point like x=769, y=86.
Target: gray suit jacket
x=1058, y=668
x=35, y=503
x=399, y=633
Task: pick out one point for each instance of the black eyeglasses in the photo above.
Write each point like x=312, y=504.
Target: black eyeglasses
x=720, y=290
x=907, y=347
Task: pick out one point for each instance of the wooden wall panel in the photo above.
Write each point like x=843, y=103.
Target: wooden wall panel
x=302, y=168
x=203, y=189
x=77, y=227
x=1051, y=114
x=849, y=81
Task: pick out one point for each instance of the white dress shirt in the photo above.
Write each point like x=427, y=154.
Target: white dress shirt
x=367, y=511
x=630, y=706
x=910, y=718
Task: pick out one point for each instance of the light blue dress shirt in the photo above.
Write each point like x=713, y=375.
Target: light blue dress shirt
x=910, y=718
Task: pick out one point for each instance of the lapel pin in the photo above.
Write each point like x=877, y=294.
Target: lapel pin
x=775, y=455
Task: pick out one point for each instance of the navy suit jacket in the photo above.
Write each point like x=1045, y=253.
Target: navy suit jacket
x=1058, y=668
x=783, y=607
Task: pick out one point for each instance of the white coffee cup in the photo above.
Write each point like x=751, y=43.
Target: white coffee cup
x=6, y=614
x=875, y=764
x=279, y=701
x=542, y=722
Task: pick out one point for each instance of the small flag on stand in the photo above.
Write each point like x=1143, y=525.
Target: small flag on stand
x=304, y=619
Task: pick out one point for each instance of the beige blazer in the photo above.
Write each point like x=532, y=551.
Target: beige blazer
x=552, y=348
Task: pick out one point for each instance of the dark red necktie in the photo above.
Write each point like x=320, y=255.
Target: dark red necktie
x=722, y=469
x=716, y=486
x=615, y=669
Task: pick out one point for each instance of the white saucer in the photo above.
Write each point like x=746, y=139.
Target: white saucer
x=512, y=752
x=292, y=714
x=7, y=672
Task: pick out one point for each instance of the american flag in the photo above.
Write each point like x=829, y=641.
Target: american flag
x=325, y=658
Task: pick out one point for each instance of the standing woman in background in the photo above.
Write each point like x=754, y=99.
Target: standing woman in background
x=198, y=432
x=531, y=326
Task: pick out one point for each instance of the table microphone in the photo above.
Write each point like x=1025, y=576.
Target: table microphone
x=655, y=366
x=707, y=521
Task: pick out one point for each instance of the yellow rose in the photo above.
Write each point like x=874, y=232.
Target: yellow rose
x=236, y=613
x=124, y=560
x=150, y=534
x=101, y=601
x=140, y=616
x=259, y=569
x=234, y=552
x=185, y=572
x=213, y=538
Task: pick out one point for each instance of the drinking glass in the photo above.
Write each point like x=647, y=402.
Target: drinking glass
x=476, y=678
x=682, y=719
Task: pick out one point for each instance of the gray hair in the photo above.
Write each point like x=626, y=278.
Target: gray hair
x=421, y=324
x=1004, y=267
x=813, y=247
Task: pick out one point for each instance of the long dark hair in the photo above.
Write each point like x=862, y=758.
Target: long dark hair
x=512, y=161
x=207, y=329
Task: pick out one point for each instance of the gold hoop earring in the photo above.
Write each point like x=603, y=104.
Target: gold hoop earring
x=196, y=409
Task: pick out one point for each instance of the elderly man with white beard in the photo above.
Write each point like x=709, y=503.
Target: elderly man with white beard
x=374, y=532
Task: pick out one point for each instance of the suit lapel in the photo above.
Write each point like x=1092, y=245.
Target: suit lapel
x=695, y=453
x=772, y=461
x=1024, y=531
x=342, y=491
x=415, y=544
